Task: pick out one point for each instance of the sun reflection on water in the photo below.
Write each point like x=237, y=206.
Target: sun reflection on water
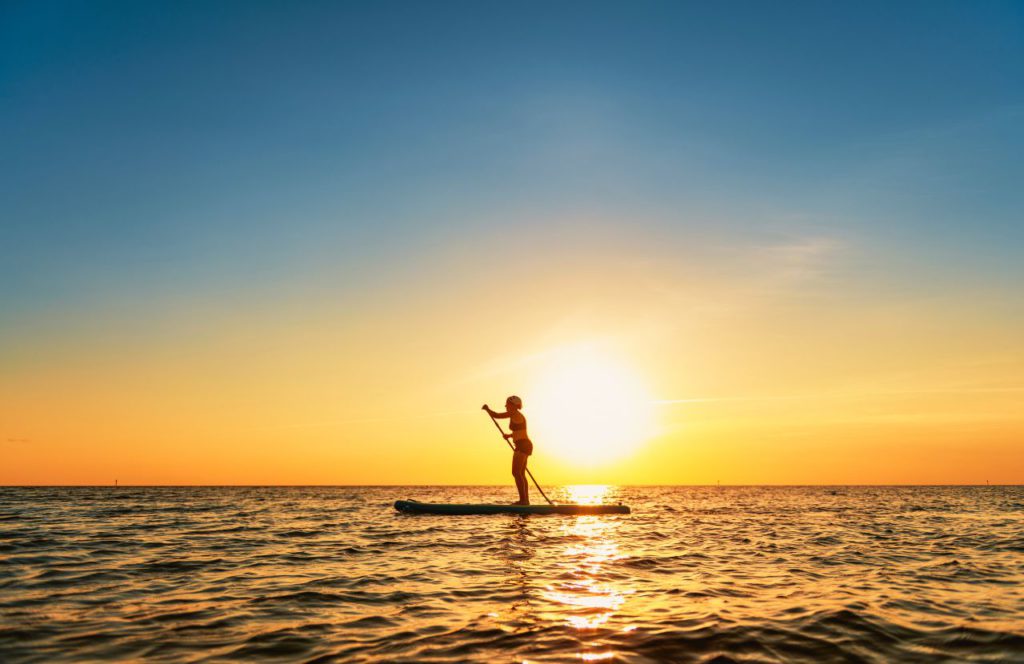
x=587, y=494
x=588, y=600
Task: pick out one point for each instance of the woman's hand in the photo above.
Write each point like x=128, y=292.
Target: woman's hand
x=487, y=408
x=508, y=436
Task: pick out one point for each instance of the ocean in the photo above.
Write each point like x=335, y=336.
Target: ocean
x=694, y=574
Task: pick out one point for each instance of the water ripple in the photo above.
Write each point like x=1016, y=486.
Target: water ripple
x=324, y=574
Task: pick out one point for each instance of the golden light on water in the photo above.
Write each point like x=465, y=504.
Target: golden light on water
x=588, y=601
x=590, y=407
x=587, y=494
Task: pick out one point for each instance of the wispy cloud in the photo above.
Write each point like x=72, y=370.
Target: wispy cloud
x=854, y=394
x=400, y=417
x=800, y=259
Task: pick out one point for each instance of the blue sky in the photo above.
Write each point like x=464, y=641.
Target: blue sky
x=292, y=242
x=163, y=150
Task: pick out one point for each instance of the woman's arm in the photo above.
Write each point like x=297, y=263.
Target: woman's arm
x=500, y=416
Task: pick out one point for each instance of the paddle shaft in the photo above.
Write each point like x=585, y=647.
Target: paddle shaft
x=502, y=431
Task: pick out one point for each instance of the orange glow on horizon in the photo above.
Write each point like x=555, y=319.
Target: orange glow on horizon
x=645, y=379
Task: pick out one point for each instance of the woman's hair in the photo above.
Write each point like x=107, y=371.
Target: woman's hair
x=515, y=401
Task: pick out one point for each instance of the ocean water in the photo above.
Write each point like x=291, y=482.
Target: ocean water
x=695, y=574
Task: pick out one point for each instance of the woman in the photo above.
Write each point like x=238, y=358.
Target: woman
x=524, y=448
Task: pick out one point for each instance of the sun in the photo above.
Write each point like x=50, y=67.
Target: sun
x=587, y=407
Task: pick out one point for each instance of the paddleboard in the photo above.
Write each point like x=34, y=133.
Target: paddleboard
x=416, y=507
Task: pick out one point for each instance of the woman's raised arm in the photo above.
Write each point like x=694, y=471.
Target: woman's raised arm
x=500, y=416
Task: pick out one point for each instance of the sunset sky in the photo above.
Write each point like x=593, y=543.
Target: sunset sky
x=302, y=243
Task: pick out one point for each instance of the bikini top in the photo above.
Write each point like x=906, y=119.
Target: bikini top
x=518, y=428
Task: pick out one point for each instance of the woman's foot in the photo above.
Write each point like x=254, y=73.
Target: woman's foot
x=521, y=502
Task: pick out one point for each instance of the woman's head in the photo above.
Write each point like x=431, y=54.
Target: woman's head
x=514, y=402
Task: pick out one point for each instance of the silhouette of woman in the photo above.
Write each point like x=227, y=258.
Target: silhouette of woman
x=524, y=448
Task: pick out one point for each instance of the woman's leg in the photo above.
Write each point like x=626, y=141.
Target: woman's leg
x=519, y=473
x=515, y=474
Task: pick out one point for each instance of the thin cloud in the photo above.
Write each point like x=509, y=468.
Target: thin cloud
x=361, y=420
x=801, y=259
x=848, y=395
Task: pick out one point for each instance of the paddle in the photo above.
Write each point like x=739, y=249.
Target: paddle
x=502, y=431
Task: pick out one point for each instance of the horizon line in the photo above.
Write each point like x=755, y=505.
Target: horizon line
x=143, y=486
